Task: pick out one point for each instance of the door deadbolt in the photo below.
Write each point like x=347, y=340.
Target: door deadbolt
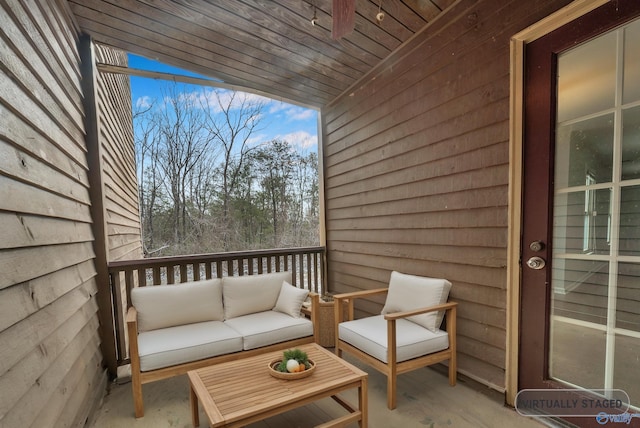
x=536, y=263
x=536, y=246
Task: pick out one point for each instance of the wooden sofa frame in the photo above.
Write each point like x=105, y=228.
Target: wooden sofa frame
x=139, y=378
x=393, y=368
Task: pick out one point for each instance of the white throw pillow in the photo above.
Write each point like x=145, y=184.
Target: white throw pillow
x=408, y=292
x=161, y=306
x=290, y=299
x=248, y=294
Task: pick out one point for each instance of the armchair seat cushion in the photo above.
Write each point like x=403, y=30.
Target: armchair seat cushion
x=190, y=342
x=412, y=340
x=269, y=327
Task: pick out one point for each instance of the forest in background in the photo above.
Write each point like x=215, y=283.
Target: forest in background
x=206, y=186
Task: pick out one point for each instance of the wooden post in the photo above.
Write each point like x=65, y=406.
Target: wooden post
x=96, y=193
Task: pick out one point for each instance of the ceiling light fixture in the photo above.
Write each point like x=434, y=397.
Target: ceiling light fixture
x=380, y=14
x=314, y=20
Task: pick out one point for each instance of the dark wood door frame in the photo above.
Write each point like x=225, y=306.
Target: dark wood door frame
x=518, y=242
x=540, y=59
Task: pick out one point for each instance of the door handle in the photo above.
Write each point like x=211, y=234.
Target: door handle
x=536, y=263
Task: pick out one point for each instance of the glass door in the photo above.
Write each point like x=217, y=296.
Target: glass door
x=594, y=317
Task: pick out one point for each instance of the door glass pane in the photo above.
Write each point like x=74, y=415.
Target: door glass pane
x=627, y=367
x=627, y=348
x=587, y=78
x=582, y=222
x=578, y=333
x=580, y=290
x=595, y=298
x=631, y=63
x=630, y=221
x=584, y=148
x=577, y=354
x=631, y=142
x=628, y=298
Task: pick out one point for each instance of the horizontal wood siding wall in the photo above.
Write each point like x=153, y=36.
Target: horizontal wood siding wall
x=50, y=359
x=416, y=171
x=118, y=159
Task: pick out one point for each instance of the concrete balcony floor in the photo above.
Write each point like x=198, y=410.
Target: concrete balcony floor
x=425, y=399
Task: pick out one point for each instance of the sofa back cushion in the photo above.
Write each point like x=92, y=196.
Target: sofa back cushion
x=407, y=292
x=162, y=306
x=243, y=295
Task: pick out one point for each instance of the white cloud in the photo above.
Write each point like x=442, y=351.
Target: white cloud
x=144, y=102
x=297, y=113
x=209, y=97
x=301, y=139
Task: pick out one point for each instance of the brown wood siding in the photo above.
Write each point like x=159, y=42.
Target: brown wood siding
x=118, y=159
x=51, y=370
x=416, y=171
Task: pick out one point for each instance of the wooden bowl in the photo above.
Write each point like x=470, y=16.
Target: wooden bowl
x=290, y=376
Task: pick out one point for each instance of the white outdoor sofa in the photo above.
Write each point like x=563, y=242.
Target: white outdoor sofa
x=176, y=328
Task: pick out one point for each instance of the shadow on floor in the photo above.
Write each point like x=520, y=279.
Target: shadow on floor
x=425, y=399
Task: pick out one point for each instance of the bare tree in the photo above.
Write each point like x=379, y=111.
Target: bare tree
x=232, y=121
x=205, y=185
x=149, y=180
x=184, y=142
x=275, y=161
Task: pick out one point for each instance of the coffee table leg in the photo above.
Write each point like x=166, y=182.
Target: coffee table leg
x=363, y=403
x=195, y=417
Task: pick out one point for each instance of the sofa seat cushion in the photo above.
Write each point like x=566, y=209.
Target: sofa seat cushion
x=412, y=340
x=269, y=327
x=190, y=342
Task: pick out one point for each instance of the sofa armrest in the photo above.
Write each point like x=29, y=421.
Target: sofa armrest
x=132, y=316
x=315, y=315
x=132, y=331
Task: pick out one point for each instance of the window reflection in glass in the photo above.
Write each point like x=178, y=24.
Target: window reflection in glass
x=631, y=143
x=584, y=147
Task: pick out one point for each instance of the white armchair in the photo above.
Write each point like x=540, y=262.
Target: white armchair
x=407, y=335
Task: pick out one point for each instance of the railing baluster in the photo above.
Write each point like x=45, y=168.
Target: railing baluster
x=196, y=271
x=184, y=277
x=294, y=270
x=142, y=277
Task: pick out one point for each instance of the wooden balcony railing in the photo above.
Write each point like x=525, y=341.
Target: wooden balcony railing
x=307, y=266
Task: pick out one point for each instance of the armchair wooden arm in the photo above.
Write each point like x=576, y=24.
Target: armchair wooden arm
x=359, y=294
x=349, y=298
x=405, y=314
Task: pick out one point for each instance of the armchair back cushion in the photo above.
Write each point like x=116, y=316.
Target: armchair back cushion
x=243, y=295
x=162, y=306
x=408, y=292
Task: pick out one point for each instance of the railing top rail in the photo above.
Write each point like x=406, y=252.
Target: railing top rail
x=211, y=257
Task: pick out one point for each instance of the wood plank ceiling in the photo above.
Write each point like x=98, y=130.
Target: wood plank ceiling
x=265, y=46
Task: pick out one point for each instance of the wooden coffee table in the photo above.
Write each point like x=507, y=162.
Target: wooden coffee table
x=241, y=392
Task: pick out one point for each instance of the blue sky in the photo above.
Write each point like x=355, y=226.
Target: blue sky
x=292, y=123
